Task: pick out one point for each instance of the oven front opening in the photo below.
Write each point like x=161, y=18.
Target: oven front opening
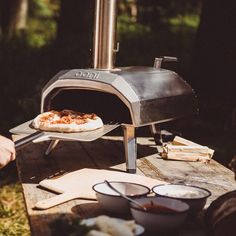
x=108, y=106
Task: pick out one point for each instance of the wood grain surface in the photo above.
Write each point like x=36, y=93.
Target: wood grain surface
x=108, y=153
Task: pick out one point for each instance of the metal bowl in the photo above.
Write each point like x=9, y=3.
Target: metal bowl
x=112, y=202
x=194, y=196
x=162, y=214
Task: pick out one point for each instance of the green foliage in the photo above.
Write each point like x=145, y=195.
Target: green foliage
x=190, y=20
x=43, y=8
x=126, y=26
x=171, y=8
x=13, y=221
x=5, y=211
x=160, y=28
x=40, y=33
x=42, y=22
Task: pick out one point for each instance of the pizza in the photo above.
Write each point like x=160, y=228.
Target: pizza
x=67, y=121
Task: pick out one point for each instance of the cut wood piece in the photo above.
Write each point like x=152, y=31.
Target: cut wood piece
x=182, y=141
x=187, y=157
x=185, y=150
x=192, y=149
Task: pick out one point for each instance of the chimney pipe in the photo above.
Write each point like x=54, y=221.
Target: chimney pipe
x=104, y=35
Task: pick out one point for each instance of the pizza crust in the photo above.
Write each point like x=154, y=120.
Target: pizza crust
x=51, y=121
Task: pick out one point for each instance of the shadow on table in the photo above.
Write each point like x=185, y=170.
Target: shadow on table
x=66, y=224
x=71, y=156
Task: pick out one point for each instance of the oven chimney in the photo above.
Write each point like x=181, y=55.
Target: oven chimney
x=104, y=35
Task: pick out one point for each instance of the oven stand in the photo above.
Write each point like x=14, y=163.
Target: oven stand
x=51, y=146
x=130, y=147
x=156, y=133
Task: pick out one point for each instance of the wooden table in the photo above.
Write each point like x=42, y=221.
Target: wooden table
x=108, y=153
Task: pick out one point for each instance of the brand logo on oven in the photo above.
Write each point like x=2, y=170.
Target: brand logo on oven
x=87, y=74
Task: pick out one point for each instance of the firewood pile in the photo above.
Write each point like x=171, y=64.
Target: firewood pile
x=185, y=150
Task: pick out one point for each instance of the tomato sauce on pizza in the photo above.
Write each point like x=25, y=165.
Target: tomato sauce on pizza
x=67, y=121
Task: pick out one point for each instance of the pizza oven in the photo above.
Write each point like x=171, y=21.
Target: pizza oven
x=130, y=97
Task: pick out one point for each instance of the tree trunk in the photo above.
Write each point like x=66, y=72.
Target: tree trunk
x=13, y=15
x=213, y=65
x=128, y=7
x=133, y=10
x=21, y=15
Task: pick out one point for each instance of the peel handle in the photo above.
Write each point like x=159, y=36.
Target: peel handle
x=56, y=200
x=27, y=139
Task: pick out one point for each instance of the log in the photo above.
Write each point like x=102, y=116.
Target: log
x=185, y=150
x=182, y=141
x=221, y=215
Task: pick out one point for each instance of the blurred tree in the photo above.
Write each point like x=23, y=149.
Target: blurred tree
x=157, y=12
x=213, y=61
x=75, y=30
x=129, y=8
x=42, y=22
x=13, y=15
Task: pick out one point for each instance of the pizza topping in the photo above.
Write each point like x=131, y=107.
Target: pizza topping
x=67, y=117
x=47, y=117
x=79, y=121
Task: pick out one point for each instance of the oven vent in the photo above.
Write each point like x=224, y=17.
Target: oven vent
x=104, y=35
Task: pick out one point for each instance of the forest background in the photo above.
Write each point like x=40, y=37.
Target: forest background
x=38, y=38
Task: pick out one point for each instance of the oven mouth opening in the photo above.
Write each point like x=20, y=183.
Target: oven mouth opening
x=108, y=106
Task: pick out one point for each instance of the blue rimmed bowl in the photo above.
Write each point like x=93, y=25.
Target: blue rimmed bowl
x=161, y=214
x=194, y=196
x=112, y=202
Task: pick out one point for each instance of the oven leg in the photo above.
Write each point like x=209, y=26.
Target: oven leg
x=161, y=136
x=156, y=133
x=51, y=146
x=130, y=147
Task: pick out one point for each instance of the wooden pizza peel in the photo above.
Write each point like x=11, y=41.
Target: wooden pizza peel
x=78, y=184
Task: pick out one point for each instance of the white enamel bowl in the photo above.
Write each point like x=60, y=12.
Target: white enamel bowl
x=161, y=219
x=194, y=196
x=112, y=202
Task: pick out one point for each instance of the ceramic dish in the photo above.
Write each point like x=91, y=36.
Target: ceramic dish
x=194, y=196
x=162, y=214
x=112, y=202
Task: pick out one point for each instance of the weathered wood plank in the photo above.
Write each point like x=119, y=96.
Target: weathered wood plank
x=107, y=153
